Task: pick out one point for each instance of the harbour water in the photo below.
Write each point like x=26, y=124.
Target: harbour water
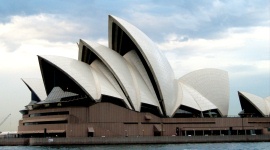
x=204, y=146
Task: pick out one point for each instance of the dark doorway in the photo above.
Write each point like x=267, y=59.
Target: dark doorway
x=157, y=133
x=90, y=134
x=177, y=131
x=157, y=130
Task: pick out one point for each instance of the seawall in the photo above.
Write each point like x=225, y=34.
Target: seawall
x=14, y=141
x=133, y=140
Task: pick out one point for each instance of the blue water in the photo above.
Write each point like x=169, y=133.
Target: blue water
x=205, y=146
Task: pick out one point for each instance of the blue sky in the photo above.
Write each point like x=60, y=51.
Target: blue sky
x=229, y=35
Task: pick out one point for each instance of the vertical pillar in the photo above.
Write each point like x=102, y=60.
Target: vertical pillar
x=162, y=130
x=230, y=131
x=45, y=132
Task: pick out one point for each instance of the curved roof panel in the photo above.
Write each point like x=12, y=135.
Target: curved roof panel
x=36, y=86
x=188, y=99
x=191, y=96
x=156, y=61
x=267, y=99
x=119, y=68
x=179, y=100
x=78, y=71
x=133, y=59
x=259, y=103
x=213, y=84
x=107, y=83
x=144, y=95
x=104, y=71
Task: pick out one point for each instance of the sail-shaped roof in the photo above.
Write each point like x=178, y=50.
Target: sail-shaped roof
x=211, y=83
x=259, y=103
x=159, y=68
x=36, y=86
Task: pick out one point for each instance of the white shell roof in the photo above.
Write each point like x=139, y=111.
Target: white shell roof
x=187, y=99
x=93, y=81
x=213, y=84
x=104, y=86
x=119, y=68
x=267, y=99
x=100, y=67
x=80, y=72
x=133, y=59
x=143, y=92
x=106, y=82
x=36, y=86
x=179, y=101
x=157, y=62
x=257, y=102
x=195, y=100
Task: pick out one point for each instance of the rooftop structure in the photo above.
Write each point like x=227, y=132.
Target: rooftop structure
x=253, y=105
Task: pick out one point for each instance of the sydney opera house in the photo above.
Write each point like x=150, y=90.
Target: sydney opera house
x=129, y=89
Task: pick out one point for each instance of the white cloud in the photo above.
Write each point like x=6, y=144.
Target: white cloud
x=48, y=27
x=233, y=38
x=24, y=37
x=240, y=47
x=25, y=57
x=103, y=41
